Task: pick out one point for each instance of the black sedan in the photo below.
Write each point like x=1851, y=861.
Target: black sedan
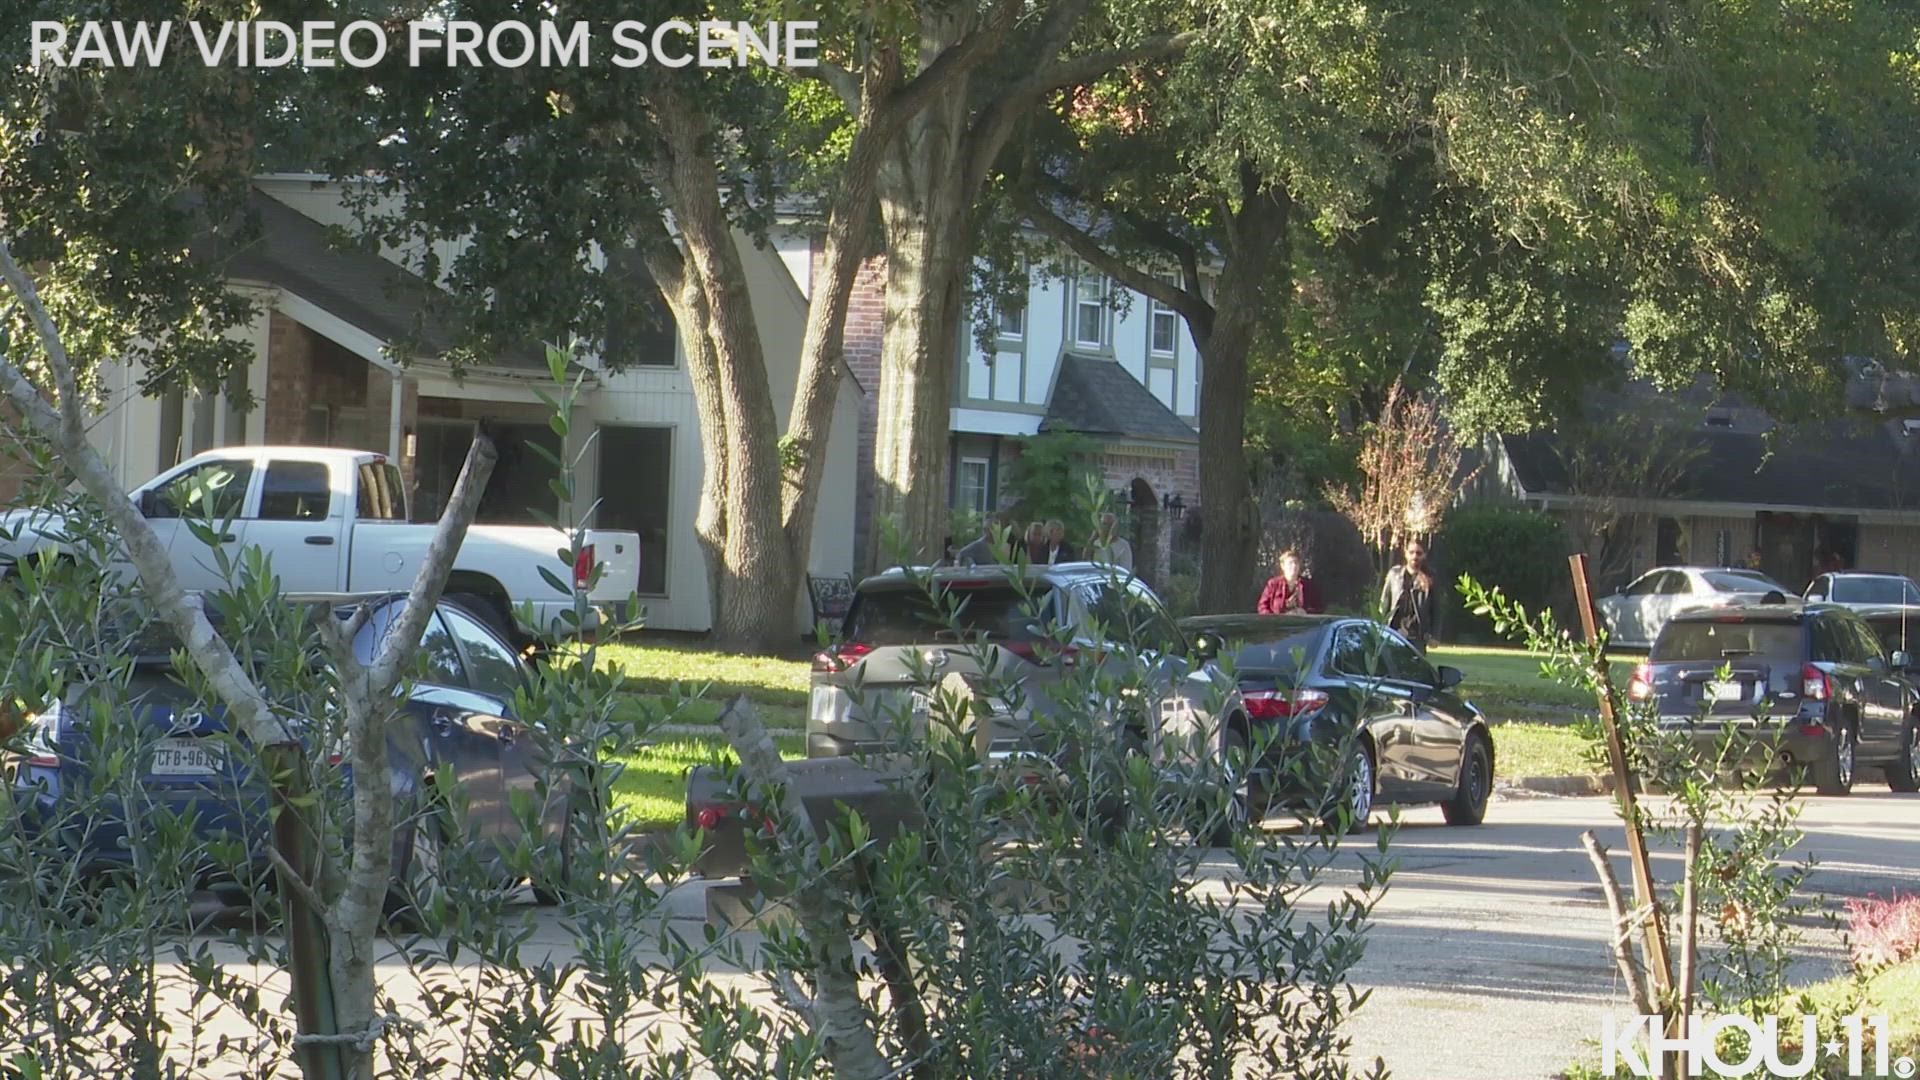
x=459, y=717
x=1402, y=734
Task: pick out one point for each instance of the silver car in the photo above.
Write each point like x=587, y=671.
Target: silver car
x=1000, y=633
x=1634, y=615
x=1860, y=589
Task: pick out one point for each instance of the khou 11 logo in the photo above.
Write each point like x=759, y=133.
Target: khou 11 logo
x=1635, y=1046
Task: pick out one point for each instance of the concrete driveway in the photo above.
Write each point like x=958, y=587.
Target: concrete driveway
x=1488, y=954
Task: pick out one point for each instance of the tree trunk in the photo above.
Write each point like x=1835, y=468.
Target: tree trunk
x=753, y=610
x=926, y=206
x=1255, y=277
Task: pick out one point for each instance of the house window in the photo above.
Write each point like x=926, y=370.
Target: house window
x=1010, y=320
x=1163, y=326
x=1090, y=309
x=970, y=486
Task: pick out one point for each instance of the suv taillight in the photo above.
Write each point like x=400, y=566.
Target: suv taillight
x=1640, y=688
x=839, y=658
x=583, y=567
x=1818, y=687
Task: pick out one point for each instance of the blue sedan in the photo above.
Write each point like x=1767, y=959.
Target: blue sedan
x=458, y=718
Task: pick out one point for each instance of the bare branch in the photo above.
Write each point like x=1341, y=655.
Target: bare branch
x=294, y=878
x=952, y=62
x=66, y=429
x=404, y=637
x=1623, y=926
x=1074, y=70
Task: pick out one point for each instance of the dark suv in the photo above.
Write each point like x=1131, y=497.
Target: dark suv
x=1812, y=682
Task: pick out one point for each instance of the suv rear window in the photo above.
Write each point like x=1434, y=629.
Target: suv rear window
x=1874, y=590
x=909, y=617
x=1782, y=642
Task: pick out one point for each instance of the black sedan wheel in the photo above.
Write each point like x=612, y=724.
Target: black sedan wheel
x=1351, y=800
x=1833, y=774
x=1470, y=793
x=1904, y=773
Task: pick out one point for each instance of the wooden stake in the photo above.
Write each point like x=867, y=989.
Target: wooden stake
x=1659, y=962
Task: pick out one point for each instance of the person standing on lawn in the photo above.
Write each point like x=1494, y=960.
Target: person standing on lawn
x=1407, y=596
x=1110, y=548
x=1290, y=590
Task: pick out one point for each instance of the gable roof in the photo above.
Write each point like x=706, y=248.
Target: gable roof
x=1100, y=398
x=386, y=300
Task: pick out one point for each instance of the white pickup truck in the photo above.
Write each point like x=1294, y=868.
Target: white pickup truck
x=335, y=521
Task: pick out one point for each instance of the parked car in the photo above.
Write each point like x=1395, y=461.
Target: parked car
x=1634, y=615
x=1811, y=685
x=460, y=717
x=336, y=521
x=989, y=631
x=1858, y=589
x=895, y=635
x=1408, y=736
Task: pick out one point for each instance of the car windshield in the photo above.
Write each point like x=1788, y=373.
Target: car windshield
x=1740, y=581
x=1774, y=642
x=910, y=616
x=1874, y=590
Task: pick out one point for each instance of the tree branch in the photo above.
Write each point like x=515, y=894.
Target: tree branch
x=1191, y=307
x=1074, y=70
x=1623, y=926
x=66, y=429
x=839, y=80
x=404, y=636
x=952, y=62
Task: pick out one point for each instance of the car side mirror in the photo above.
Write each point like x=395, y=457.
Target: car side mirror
x=150, y=503
x=1449, y=677
x=1901, y=660
x=1206, y=646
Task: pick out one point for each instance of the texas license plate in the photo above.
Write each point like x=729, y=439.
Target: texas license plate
x=184, y=757
x=1727, y=691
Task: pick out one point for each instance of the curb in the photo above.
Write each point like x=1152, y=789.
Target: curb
x=1591, y=784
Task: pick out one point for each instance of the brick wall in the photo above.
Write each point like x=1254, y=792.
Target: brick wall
x=1170, y=473
x=866, y=317
x=289, y=379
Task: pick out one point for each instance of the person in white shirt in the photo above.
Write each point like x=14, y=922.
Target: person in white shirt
x=1109, y=548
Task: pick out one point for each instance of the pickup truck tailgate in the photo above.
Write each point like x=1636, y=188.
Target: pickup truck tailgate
x=618, y=553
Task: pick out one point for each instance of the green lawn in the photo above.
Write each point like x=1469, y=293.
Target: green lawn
x=653, y=787
x=1523, y=749
x=1506, y=682
x=690, y=686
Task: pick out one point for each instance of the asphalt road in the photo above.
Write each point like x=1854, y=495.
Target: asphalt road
x=1488, y=955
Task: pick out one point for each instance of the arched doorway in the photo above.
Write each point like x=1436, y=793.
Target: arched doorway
x=1146, y=529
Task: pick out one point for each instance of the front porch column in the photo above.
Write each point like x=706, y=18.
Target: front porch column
x=396, y=417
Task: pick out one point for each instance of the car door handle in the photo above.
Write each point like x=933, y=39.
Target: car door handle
x=320, y=541
x=228, y=538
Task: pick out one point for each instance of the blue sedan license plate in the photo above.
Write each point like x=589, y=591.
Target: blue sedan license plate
x=184, y=757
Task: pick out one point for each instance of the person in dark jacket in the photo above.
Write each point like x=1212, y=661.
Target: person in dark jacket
x=1290, y=590
x=1407, y=596
x=1057, y=550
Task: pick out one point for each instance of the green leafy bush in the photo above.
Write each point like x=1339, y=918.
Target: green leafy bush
x=1520, y=552
x=1050, y=478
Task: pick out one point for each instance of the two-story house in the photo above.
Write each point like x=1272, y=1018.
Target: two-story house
x=1080, y=355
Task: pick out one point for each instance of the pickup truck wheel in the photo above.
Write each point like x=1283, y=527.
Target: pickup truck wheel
x=487, y=611
x=1904, y=773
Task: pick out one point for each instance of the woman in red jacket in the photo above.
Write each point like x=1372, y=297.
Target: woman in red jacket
x=1290, y=590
